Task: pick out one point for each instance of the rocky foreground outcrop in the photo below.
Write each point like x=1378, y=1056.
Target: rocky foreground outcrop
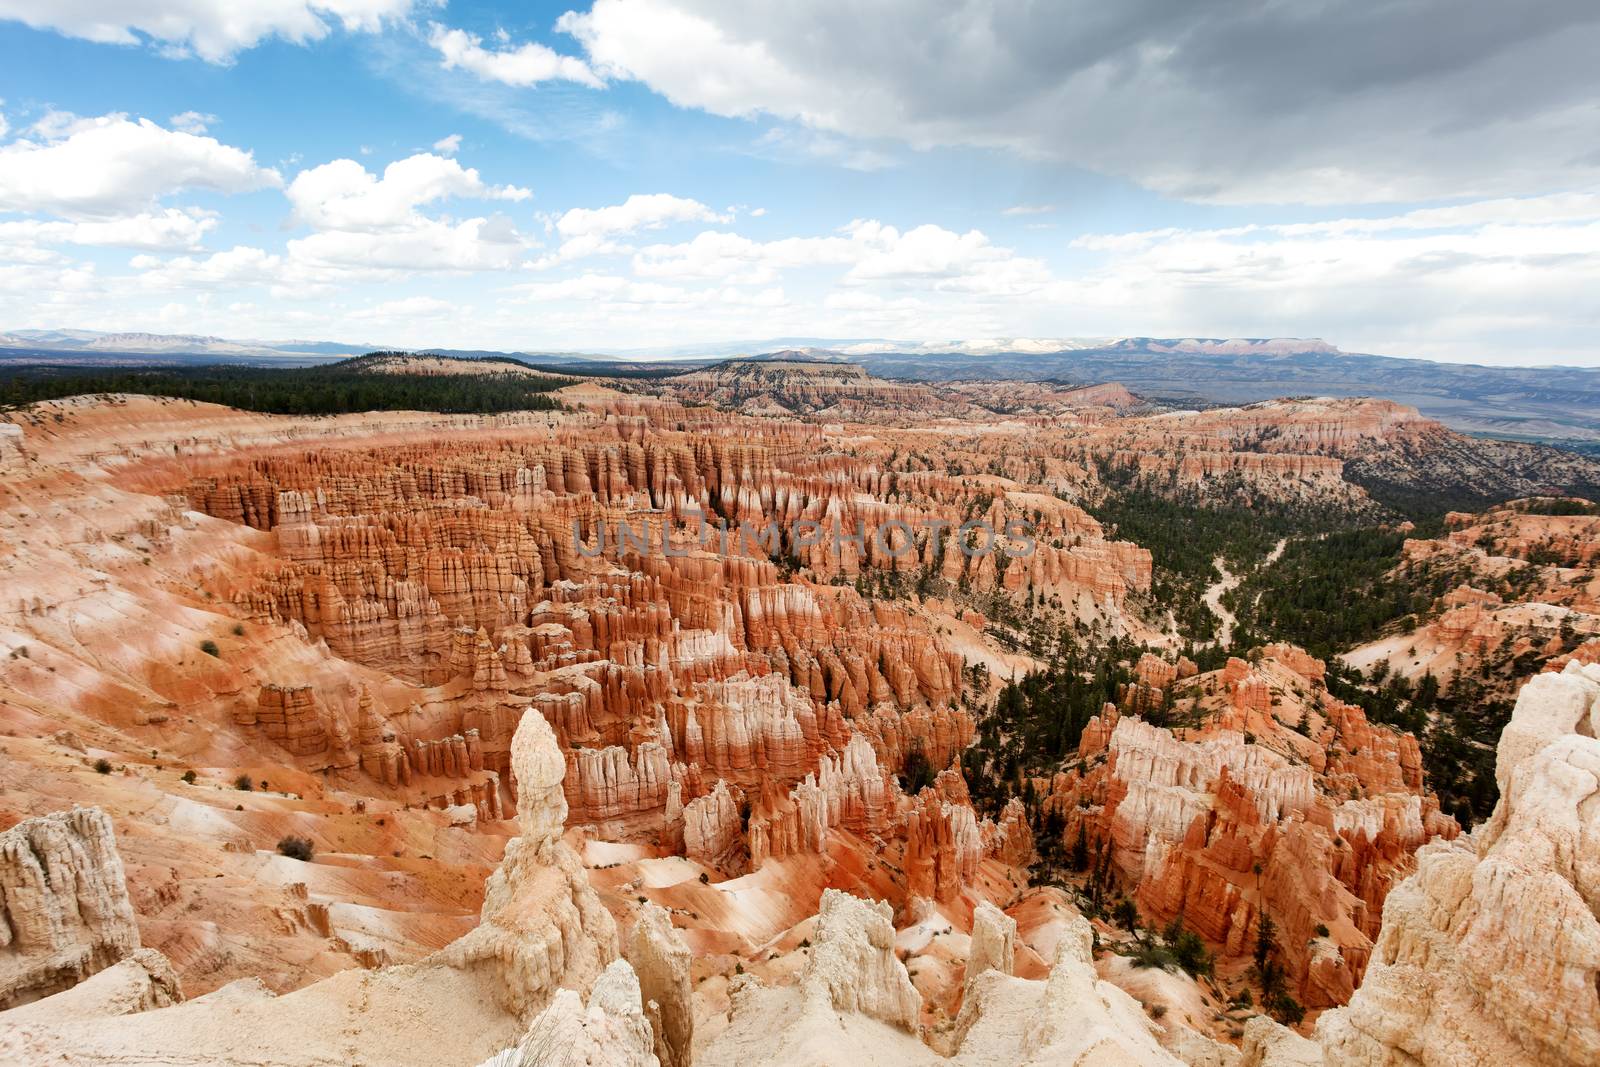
x=610, y=1031
x=855, y=1004
x=661, y=960
x=64, y=910
x=542, y=924
x=543, y=929
x=1490, y=952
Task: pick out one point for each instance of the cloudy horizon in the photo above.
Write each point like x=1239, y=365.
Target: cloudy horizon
x=1412, y=179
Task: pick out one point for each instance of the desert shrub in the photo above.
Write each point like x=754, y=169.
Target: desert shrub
x=296, y=848
x=188, y=777
x=209, y=647
x=1153, y=955
x=243, y=783
x=102, y=766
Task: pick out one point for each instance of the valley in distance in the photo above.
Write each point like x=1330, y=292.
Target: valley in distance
x=1134, y=701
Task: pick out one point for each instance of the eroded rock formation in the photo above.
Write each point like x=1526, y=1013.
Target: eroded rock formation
x=64, y=910
x=993, y=948
x=1490, y=952
x=853, y=968
x=1070, y=1018
x=1286, y=802
x=610, y=1031
x=534, y=935
x=543, y=933
x=661, y=960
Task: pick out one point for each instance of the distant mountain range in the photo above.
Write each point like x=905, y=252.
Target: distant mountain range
x=1534, y=403
x=33, y=345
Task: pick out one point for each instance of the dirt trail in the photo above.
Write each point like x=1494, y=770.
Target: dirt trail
x=1213, y=594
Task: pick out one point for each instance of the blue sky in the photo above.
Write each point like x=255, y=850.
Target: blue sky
x=1408, y=178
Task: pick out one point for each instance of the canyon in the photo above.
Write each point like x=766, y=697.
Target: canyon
x=692, y=796
x=1522, y=594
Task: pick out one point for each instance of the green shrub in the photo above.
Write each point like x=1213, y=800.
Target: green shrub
x=296, y=848
x=1188, y=948
x=102, y=766
x=209, y=647
x=1285, y=1009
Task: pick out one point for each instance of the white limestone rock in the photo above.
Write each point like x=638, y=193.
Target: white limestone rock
x=853, y=967
x=535, y=933
x=994, y=935
x=661, y=959
x=1071, y=1019
x=64, y=909
x=1490, y=952
x=610, y=1032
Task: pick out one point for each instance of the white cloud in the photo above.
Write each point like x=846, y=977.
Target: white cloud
x=925, y=256
x=641, y=211
x=1029, y=209
x=526, y=65
x=448, y=146
x=1494, y=280
x=54, y=285
x=611, y=291
x=344, y=195
x=215, y=30
x=424, y=246
x=171, y=229
x=110, y=166
x=195, y=122
x=237, y=267
x=588, y=232
x=55, y=124
x=798, y=145
x=1233, y=101
x=411, y=307
x=691, y=59
x=369, y=229
x=734, y=258
x=929, y=255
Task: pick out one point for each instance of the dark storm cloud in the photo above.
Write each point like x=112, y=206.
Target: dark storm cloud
x=1241, y=100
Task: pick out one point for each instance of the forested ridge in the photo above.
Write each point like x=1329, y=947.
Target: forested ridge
x=1329, y=592
x=330, y=389
x=1187, y=532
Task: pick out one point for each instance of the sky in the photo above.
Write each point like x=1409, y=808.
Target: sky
x=1406, y=177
